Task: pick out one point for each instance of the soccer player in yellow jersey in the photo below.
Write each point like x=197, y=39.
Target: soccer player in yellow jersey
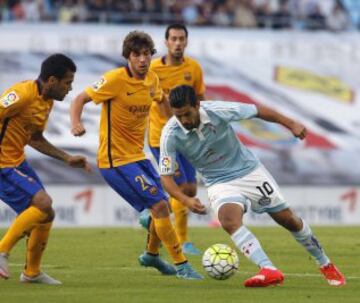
x=126, y=94
x=176, y=69
x=24, y=111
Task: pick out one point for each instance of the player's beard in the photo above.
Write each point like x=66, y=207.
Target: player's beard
x=53, y=93
x=195, y=124
x=177, y=55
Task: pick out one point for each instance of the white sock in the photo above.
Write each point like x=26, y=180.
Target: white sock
x=251, y=248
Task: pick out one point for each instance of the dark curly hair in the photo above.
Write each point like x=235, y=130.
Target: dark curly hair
x=182, y=95
x=135, y=41
x=56, y=65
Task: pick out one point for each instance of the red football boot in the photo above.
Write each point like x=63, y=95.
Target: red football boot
x=333, y=275
x=265, y=277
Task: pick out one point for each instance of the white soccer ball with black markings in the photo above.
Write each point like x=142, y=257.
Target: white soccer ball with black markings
x=220, y=261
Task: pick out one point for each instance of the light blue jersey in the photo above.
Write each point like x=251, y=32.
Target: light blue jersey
x=213, y=148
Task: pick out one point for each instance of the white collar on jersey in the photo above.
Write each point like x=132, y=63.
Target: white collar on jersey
x=204, y=119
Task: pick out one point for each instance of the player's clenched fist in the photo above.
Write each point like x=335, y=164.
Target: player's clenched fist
x=298, y=130
x=78, y=129
x=79, y=162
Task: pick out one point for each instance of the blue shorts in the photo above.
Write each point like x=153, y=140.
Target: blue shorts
x=138, y=183
x=18, y=185
x=185, y=172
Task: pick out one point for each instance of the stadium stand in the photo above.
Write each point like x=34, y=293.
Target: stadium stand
x=335, y=15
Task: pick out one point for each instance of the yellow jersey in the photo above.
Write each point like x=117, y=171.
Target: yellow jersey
x=126, y=103
x=189, y=73
x=23, y=111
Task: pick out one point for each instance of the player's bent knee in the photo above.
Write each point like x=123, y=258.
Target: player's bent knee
x=231, y=226
x=43, y=202
x=230, y=216
x=50, y=215
x=160, y=209
x=41, y=199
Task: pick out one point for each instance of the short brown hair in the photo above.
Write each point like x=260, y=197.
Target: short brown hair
x=135, y=41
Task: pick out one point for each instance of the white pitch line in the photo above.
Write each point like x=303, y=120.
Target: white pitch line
x=309, y=275
x=303, y=275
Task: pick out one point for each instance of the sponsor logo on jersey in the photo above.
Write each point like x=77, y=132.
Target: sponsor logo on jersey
x=98, y=84
x=9, y=99
x=139, y=110
x=309, y=81
x=134, y=92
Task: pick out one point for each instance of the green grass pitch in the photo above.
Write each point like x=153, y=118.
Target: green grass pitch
x=100, y=265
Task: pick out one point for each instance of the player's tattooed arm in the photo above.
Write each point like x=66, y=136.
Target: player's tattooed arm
x=42, y=145
x=268, y=114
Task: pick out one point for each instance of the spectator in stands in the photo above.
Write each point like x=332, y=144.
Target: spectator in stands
x=3, y=9
x=221, y=16
x=338, y=20
x=263, y=15
x=190, y=13
x=299, y=14
x=205, y=13
x=315, y=20
x=282, y=18
x=244, y=14
x=66, y=12
x=96, y=10
x=31, y=10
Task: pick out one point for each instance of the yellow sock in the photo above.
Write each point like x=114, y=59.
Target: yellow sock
x=181, y=219
x=22, y=224
x=153, y=241
x=36, y=245
x=167, y=234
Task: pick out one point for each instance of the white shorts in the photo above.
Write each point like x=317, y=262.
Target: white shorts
x=257, y=190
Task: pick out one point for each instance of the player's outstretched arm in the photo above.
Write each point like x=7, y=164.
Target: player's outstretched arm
x=174, y=190
x=39, y=142
x=271, y=115
x=76, y=109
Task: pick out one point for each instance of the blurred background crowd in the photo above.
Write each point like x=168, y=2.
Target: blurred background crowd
x=333, y=15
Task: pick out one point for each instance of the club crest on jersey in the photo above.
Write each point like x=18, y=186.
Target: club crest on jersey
x=99, y=83
x=152, y=92
x=187, y=76
x=263, y=201
x=9, y=99
x=153, y=190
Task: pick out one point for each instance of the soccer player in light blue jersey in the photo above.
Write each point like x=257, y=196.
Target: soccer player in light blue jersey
x=234, y=177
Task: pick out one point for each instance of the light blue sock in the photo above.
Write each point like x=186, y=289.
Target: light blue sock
x=307, y=239
x=245, y=240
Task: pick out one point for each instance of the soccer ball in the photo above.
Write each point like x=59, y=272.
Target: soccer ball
x=220, y=261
